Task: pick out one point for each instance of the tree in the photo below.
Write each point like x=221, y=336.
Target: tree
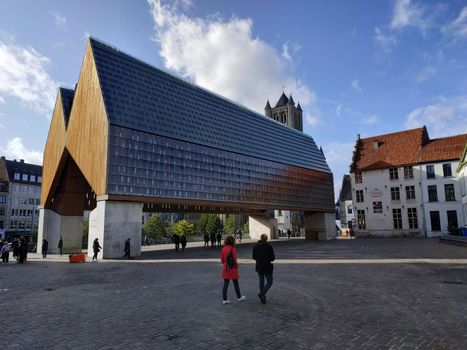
x=229, y=225
x=183, y=228
x=246, y=229
x=202, y=224
x=155, y=227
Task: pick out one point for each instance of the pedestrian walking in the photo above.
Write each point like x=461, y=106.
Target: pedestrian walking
x=289, y=233
x=213, y=239
x=183, y=242
x=240, y=235
x=45, y=247
x=60, y=245
x=15, y=247
x=206, y=240
x=230, y=269
x=126, y=249
x=176, y=240
x=263, y=253
x=96, y=248
x=22, y=250
x=5, y=251
x=219, y=239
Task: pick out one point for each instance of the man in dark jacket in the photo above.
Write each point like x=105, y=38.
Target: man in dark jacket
x=264, y=255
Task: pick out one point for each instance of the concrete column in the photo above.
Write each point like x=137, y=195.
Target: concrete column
x=52, y=226
x=320, y=226
x=112, y=223
x=262, y=224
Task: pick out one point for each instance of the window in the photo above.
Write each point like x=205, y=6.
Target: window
x=361, y=219
x=434, y=218
x=397, y=218
x=2, y=211
x=39, y=179
x=25, y=177
x=408, y=172
x=410, y=192
x=32, y=178
x=449, y=192
x=430, y=171
x=395, y=194
x=349, y=209
x=447, y=170
x=432, y=193
x=358, y=177
x=393, y=174
x=359, y=195
x=279, y=213
x=412, y=215
x=452, y=219
x=17, y=176
x=2, y=199
x=377, y=207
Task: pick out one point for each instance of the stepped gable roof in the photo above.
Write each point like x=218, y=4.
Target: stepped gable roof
x=346, y=189
x=67, y=101
x=3, y=171
x=282, y=101
x=141, y=97
x=390, y=150
x=445, y=148
x=14, y=166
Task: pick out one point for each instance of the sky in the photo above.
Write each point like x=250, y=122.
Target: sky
x=363, y=67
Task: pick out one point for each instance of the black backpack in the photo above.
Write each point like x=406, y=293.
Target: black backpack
x=230, y=260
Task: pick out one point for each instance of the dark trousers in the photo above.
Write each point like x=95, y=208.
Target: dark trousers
x=5, y=257
x=263, y=289
x=95, y=255
x=61, y=250
x=226, y=286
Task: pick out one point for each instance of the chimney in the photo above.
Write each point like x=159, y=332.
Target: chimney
x=21, y=160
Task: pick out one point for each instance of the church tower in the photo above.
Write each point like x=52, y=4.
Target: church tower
x=286, y=112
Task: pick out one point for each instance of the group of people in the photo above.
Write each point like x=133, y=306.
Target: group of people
x=263, y=254
x=19, y=247
x=213, y=238
x=179, y=240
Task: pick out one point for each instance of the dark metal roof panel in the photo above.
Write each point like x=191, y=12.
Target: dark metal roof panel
x=67, y=101
x=142, y=97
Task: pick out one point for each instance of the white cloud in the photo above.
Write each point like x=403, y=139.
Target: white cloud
x=60, y=21
x=447, y=117
x=2, y=100
x=459, y=26
x=425, y=74
x=311, y=120
x=386, y=42
x=355, y=85
x=407, y=14
x=285, y=52
x=16, y=150
x=23, y=76
x=372, y=119
x=225, y=57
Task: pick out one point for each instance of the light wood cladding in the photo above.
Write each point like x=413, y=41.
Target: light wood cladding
x=88, y=128
x=54, y=148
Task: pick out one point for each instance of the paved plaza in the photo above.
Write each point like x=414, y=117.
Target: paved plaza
x=342, y=294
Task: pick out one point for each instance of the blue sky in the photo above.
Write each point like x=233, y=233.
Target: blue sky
x=357, y=67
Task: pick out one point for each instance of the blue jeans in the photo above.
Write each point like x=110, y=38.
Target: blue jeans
x=226, y=285
x=263, y=289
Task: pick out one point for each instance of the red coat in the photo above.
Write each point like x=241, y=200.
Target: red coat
x=229, y=273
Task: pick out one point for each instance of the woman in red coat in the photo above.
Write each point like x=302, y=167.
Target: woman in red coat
x=230, y=273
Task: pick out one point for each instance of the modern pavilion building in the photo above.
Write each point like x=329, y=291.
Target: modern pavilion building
x=132, y=138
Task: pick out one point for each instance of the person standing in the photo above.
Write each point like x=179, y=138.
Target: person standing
x=60, y=245
x=96, y=248
x=126, y=249
x=206, y=240
x=213, y=239
x=22, y=250
x=263, y=254
x=5, y=251
x=183, y=242
x=45, y=247
x=219, y=239
x=176, y=240
x=230, y=269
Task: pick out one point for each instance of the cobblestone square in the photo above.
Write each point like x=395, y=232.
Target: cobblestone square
x=344, y=294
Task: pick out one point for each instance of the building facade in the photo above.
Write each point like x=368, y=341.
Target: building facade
x=346, y=212
x=20, y=188
x=404, y=184
x=135, y=139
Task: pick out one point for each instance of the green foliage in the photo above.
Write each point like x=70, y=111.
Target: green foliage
x=183, y=228
x=202, y=224
x=155, y=227
x=246, y=229
x=229, y=225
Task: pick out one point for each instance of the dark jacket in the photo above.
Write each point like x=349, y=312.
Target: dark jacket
x=264, y=255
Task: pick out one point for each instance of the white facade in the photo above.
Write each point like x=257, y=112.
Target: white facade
x=463, y=188
x=349, y=213
x=396, y=202
x=283, y=220
x=443, y=207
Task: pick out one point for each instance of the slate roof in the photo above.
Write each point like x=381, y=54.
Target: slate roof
x=405, y=148
x=346, y=189
x=67, y=101
x=14, y=166
x=142, y=97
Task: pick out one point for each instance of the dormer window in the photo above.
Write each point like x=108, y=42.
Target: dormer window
x=375, y=144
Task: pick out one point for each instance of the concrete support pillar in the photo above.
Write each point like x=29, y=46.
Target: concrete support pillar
x=112, y=223
x=52, y=226
x=320, y=226
x=262, y=224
